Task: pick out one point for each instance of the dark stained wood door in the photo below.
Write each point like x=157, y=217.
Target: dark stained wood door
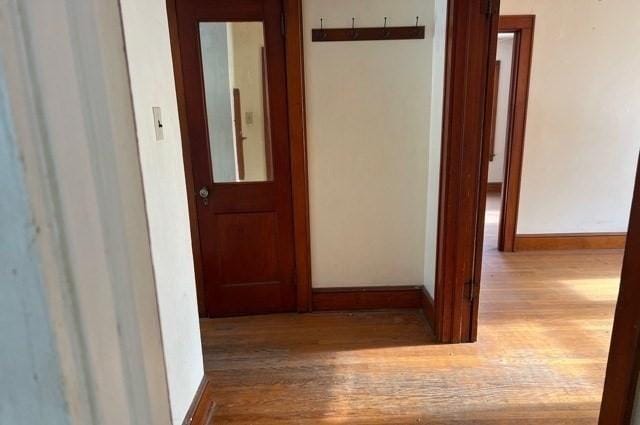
x=623, y=367
x=245, y=225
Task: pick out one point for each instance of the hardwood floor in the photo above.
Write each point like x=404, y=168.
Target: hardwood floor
x=545, y=323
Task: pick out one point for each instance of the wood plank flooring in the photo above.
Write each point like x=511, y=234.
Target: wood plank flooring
x=545, y=323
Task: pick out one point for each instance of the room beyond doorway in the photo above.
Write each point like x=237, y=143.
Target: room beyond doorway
x=541, y=367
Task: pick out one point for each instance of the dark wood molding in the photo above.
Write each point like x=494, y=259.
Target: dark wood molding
x=202, y=407
x=186, y=156
x=362, y=34
x=237, y=123
x=494, y=111
x=428, y=307
x=494, y=187
x=298, y=140
x=297, y=137
x=560, y=241
x=523, y=28
x=624, y=355
x=268, y=144
x=469, y=66
x=367, y=298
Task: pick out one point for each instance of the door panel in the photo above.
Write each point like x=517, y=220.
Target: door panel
x=244, y=209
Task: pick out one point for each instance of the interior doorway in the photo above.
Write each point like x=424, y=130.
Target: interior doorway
x=510, y=94
x=239, y=148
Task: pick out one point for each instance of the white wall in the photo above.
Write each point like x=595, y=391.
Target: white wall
x=152, y=84
x=72, y=117
x=435, y=143
x=504, y=54
x=583, y=125
x=368, y=111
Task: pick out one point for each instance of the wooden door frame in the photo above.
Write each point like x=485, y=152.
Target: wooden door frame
x=522, y=26
x=472, y=29
x=624, y=354
x=494, y=111
x=298, y=149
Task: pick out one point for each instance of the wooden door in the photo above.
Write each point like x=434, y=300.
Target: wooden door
x=621, y=381
x=244, y=211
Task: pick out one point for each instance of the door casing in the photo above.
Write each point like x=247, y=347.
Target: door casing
x=522, y=26
x=472, y=34
x=623, y=366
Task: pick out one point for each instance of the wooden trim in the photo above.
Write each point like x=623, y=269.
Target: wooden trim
x=494, y=187
x=268, y=146
x=494, y=110
x=428, y=307
x=523, y=28
x=202, y=406
x=298, y=140
x=559, y=241
x=470, y=61
x=624, y=355
x=373, y=33
x=237, y=123
x=186, y=156
x=367, y=298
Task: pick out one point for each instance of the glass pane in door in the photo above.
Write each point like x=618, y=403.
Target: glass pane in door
x=236, y=93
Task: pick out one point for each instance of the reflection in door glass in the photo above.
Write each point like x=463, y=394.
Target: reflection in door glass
x=236, y=92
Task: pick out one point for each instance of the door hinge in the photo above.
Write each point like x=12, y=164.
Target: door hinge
x=488, y=7
x=282, y=24
x=472, y=290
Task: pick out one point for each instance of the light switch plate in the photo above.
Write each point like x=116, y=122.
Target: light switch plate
x=157, y=123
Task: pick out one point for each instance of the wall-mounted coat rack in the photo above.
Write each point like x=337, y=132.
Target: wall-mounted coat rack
x=371, y=33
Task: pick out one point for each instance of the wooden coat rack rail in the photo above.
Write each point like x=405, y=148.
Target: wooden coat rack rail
x=414, y=32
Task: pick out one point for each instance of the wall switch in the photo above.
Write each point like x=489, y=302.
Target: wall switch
x=157, y=123
x=248, y=117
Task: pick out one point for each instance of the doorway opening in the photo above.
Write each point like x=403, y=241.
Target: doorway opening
x=509, y=97
x=574, y=285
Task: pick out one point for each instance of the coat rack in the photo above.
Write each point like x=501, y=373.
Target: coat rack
x=371, y=33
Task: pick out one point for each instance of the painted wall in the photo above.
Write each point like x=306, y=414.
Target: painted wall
x=583, y=126
x=217, y=86
x=435, y=143
x=152, y=84
x=505, y=55
x=368, y=112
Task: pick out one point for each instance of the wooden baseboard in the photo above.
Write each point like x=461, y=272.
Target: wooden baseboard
x=560, y=241
x=202, y=407
x=428, y=308
x=494, y=187
x=367, y=298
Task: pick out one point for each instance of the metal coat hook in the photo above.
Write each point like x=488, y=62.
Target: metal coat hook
x=354, y=33
x=385, y=32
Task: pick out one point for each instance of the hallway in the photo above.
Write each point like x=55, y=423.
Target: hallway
x=545, y=322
